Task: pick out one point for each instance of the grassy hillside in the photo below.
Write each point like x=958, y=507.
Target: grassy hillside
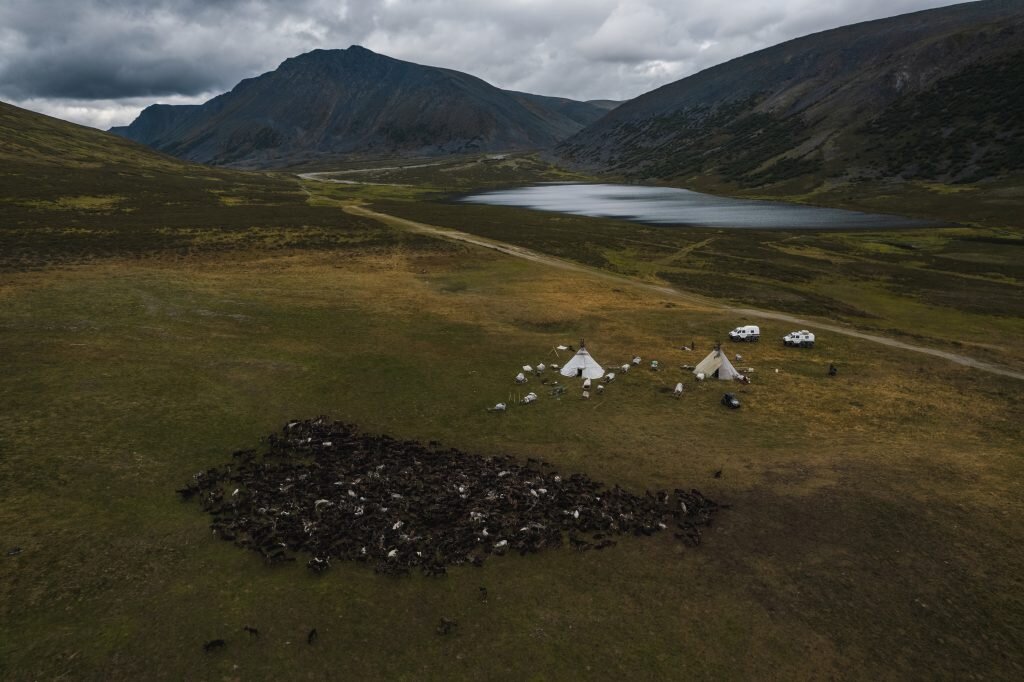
x=71, y=193
x=965, y=128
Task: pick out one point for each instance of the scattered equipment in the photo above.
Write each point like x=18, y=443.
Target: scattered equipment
x=678, y=392
x=750, y=332
x=731, y=401
x=520, y=378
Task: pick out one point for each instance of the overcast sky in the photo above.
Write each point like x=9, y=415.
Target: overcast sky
x=99, y=62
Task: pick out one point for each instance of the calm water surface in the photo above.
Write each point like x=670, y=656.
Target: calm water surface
x=670, y=206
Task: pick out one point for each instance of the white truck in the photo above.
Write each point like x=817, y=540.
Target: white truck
x=750, y=332
x=799, y=339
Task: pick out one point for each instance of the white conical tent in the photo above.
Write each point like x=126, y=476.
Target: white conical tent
x=709, y=364
x=717, y=361
x=582, y=365
x=726, y=372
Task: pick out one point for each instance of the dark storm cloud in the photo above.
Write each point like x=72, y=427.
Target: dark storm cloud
x=112, y=78
x=106, y=50
x=100, y=61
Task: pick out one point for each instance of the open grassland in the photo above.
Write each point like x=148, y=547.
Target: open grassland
x=156, y=316
x=875, y=530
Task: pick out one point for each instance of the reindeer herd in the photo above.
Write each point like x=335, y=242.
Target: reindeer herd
x=323, y=490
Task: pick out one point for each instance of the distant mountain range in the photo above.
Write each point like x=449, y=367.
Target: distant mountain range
x=934, y=95
x=332, y=103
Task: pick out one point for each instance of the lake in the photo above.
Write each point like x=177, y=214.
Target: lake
x=681, y=207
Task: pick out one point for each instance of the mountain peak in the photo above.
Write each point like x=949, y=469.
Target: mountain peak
x=352, y=54
x=333, y=102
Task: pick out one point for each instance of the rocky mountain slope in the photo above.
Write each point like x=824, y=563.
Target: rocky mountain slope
x=934, y=95
x=328, y=103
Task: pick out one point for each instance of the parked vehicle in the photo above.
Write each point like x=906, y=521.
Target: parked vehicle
x=731, y=401
x=800, y=339
x=750, y=332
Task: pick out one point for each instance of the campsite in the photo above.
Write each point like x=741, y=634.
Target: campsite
x=591, y=376
x=278, y=403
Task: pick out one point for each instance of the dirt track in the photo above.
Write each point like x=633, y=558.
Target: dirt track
x=527, y=254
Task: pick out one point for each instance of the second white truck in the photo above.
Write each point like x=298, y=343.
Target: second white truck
x=800, y=339
x=750, y=332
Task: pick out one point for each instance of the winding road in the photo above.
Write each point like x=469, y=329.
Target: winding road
x=319, y=176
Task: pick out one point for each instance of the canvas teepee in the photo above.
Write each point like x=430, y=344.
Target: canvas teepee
x=582, y=365
x=716, y=361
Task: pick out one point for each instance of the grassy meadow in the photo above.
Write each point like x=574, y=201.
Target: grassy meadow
x=875, y=527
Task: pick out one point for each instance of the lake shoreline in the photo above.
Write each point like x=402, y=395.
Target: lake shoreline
x=682, y=208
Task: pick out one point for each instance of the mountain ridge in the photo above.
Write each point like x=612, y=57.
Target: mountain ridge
x=793, y=114
x=327, y=103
